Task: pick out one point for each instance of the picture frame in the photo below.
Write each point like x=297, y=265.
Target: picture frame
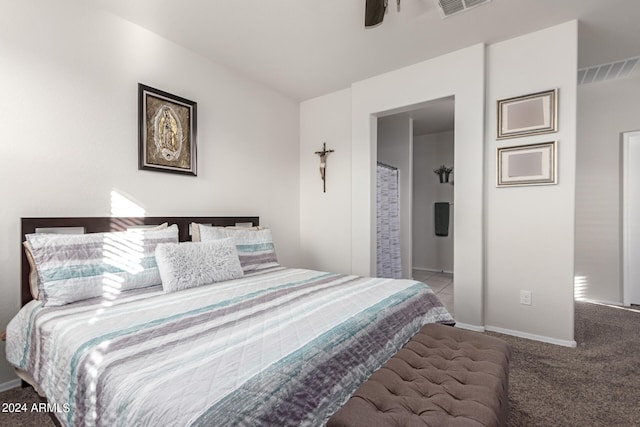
x=532, y=114
x=524, y=165
x=167, y=127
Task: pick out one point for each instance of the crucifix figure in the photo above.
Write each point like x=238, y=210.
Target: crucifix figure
x=323, y=164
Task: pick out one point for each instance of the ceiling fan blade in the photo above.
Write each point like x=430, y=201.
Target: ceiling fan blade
x=374, y=12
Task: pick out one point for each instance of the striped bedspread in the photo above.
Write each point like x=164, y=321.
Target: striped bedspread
x=277, y=347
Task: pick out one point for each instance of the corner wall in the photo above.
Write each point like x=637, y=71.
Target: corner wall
x=69, y=109
x=325, y=218
x=527, y=239
x=399, y=90
x=530, y=230
x=605, y=110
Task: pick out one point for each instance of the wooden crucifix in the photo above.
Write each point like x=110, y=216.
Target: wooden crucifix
x=323, y=164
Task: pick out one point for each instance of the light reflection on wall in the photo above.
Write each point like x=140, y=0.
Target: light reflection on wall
x=125, y=252
x=122, y=206
x=580, y=287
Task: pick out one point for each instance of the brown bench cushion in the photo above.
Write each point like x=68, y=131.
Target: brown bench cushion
x=443, y=376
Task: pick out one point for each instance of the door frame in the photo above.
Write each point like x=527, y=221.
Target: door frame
x=626, y=214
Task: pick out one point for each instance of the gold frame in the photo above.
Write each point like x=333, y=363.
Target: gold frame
x=177, y=153
x=530, y=119
x=548, y=165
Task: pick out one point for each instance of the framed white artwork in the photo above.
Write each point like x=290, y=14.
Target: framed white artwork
x=528, y=115
x=532, y=164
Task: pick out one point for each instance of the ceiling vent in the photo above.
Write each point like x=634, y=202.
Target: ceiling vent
x=452, y=7
x=610, y=71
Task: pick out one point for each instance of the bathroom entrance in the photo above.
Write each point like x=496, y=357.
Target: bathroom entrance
x=418, y=143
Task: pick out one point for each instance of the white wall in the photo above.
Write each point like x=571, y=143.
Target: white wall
x=605, y=110
x=395, y=148
x=431, y=252
x=69, y=105
x=530, y=230
x=410, y=86
x=631, y=217
x=325, y=218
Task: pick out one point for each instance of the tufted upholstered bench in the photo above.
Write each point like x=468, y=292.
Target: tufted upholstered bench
x=443, y=376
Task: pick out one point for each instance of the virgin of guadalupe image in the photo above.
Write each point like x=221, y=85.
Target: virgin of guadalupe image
x=167, y=133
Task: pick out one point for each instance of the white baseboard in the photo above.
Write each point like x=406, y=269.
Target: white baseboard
x=600, y=301
x=470, y=327
x=564, y=343
x=432, y=270
x=10, y=384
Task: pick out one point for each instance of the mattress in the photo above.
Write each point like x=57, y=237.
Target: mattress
x=281, y=347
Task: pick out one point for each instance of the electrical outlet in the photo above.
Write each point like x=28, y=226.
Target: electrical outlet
x=525, y=297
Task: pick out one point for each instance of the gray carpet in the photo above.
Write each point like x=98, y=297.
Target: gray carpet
x=28, y=419
x=595, y=384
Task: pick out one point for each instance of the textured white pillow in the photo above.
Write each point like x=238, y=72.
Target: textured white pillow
x=191, y=264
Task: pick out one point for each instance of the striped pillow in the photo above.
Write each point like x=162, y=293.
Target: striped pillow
x=255, y=247
x=76, y=267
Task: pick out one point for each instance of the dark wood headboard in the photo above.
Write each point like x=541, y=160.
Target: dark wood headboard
x=103, y=224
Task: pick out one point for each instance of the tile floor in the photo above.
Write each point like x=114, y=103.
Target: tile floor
x=440, y=283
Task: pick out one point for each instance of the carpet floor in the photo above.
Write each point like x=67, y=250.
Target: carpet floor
x=595, y=384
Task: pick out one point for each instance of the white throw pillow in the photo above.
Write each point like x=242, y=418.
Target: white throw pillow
x=191, y=264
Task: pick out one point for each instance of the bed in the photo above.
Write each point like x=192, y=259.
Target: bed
x=276, y=346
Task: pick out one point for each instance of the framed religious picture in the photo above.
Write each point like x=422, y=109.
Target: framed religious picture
x=532, y=164
x=531, y=114
x=167, y=132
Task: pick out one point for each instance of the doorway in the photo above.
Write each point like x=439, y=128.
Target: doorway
x=433, y=197
x=631, y=217
x=417, y=142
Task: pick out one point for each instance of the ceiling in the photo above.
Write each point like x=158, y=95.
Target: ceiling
x=434, y=117
x=307, y=48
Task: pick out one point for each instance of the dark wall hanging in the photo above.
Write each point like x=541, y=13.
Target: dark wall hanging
x=374, y=12
x=443, y=172
x=323, y=165
x=167, y=132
